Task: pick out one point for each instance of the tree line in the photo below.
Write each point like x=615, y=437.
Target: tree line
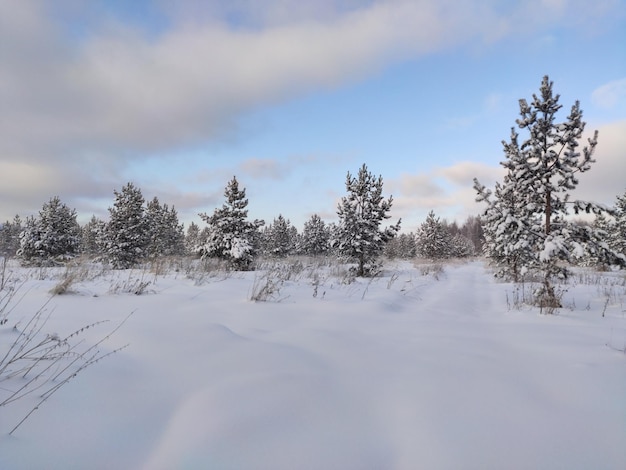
x=142, y=231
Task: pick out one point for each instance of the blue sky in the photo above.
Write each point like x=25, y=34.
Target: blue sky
x=290, y=95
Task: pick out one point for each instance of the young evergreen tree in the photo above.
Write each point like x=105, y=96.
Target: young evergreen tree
x=165, y=234
x=174, y=232
x=192, y=239
x=126, y=232
x=527, y=216
x=407, y=248
x=93, y=236
x=461, y=246
x=359, y=237
x=509, y=217
x=401, y=246
x=231, y=236
x=433, y=240
x=315, y=237
x=472, y=228
x=51, y=238
x=10, y=236
x=617, y=234
x=279, y=238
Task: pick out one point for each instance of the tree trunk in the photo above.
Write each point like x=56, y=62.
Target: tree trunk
x=361, y=271
x=548, y=211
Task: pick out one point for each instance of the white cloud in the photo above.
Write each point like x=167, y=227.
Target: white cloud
x=610, y=94
x=76, y=109
x=263, y=168
x=123, y=89
x=605, y=180
x=446, y=190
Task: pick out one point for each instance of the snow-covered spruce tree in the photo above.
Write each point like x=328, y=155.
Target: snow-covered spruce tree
x=51, y=238
x=315, y=237
x=10, y=236
x=359, y=237
x=231, y=236
x=126, y=232
x=433, y=239
x=165, y=234
x=540, y=174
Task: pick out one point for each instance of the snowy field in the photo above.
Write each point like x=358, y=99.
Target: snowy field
x=415, y=369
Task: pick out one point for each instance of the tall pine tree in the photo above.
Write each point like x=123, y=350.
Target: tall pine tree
x=528, y=214
x=165, y=235
x=93, y=236
x=359, y=237
x=230, y=235
x=126, y=235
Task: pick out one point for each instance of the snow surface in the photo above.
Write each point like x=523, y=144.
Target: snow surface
x=403, y=372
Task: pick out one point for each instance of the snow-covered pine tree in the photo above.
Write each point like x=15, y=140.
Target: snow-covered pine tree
x=401, y=246
x=155, y=226
x=359, y=237
x=93, y=236
x=29, y=239
x=315, y=237
x=433, y=240
x=279, y=238
x=540, y=174
x=407, y=246
x=617, y=236
x=510, y=218
x=461, y=246
x=230, y=235
x=165, y=234
x=174, y=233
x=51, y=238
x=472, y=228
x=126, y=232
x=192, y=239
x=10, y=237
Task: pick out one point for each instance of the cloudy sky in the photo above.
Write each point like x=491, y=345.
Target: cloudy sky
x=290, y=95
